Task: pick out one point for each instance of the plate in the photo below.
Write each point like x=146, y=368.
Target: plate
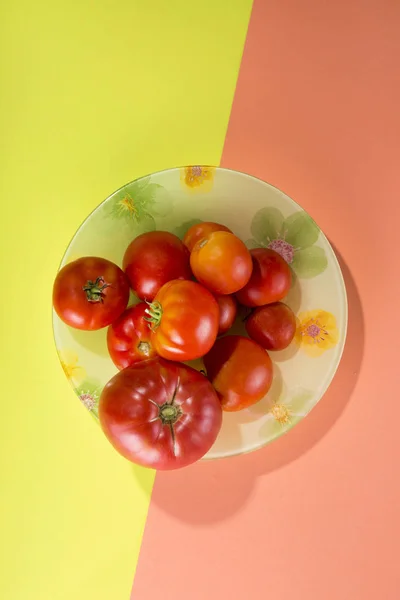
x=261, y=215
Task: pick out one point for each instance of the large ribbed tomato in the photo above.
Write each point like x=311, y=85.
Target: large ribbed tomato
x=184, y=318
x=160, y=414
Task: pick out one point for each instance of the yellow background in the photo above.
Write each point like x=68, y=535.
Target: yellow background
x=93, y=94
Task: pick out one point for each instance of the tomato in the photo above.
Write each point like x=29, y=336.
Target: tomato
x=200, y=231
x=160, y=414
x=184, y=318
x=240, y=370
x=270, y=281
x=128, y=338
x=227, y=312
x=272, y=326
x=221, y=262
x=90, y=293
x=153, y=259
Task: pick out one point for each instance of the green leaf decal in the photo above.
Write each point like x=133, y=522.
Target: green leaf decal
x=300, y=230
x=267, y=225
x=309, y=262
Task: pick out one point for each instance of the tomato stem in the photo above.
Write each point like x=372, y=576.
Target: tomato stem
x=155, y=313
x=95, y=290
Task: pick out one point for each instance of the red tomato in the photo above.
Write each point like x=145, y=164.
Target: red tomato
x=153, y=259
x=240, y=370
x=270, y=281
x=90, y=293
x=227, y=312
x=272, y=326
x=160, y=414
x=221, y=262
x=128, y=338
x=184, y=318
x=200, y=231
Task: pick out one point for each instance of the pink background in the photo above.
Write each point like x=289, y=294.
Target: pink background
x=314, y=515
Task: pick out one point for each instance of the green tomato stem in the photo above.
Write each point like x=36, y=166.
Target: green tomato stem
x=155, y=313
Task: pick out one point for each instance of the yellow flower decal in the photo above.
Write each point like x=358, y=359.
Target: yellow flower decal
x=69, y=362
x=127, y=205
x=198, y=179
x=316, y=332
x=286, y=411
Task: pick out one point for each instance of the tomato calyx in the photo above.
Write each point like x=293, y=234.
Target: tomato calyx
x=95, y=290
x=169, y=413
x=155, y=313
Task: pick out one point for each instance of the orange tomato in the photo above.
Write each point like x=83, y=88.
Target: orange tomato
x=221, y=262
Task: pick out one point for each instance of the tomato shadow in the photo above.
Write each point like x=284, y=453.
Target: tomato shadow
x=212, y=491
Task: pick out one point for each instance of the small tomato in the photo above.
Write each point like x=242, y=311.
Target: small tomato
x=227, y=312
x=272, y=326
x=154, y=258
x=221, y=262
x=270, y=280
x=199, y=231
x=90, y=293
x=240, y=370
x=128, y=338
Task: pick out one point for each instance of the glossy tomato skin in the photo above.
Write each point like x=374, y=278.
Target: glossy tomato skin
x=227, y=312
x=160, y=414
x=272, y=326
x=90, y=293
x=200, y=231
x=221, y=262
x=270, y=281
x=240, y=370
x=188, y=320
x=154, y=258
x=128, y=338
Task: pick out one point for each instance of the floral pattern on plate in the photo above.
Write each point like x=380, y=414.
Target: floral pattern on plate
x=316, y=332
x=293, y=238
x=198, y=178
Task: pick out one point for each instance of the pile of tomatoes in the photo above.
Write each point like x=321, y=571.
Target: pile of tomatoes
x=158, y=411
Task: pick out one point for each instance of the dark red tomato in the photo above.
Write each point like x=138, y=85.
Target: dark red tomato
x=221, y=262
x=240, y=370
x=160, y=414
x=184, y=320
x=270, y=281
x=272, y=326
x=200, y=231
x=227, y=312
x=153, y=259
x=90, y=293
x=128, y=338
